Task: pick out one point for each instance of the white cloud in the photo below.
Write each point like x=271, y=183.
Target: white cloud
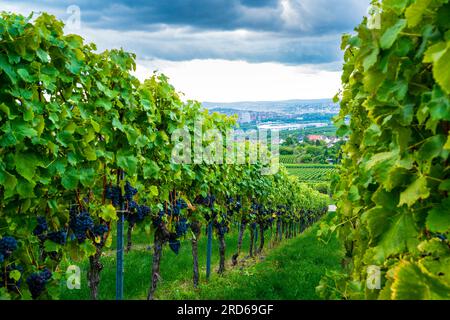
x=220, y=79
x=229, y=81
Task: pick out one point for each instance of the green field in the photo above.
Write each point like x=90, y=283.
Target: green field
x=311, y=172
x=290, y=270
x=307, y=172
x=288, y=159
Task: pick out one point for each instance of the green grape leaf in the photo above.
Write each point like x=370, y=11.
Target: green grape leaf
x=371, y=59
x=23, y=73
x=127, y=162
x=391, y=34
x=50, y=246
x=8, y=180
x=15, y=275
x=151, y=170
x=42, y=55
x=415, y=12
x=397, y=233
x=397, y=5
x=432, y=148
x=8, y=69
x=438, y=219
x=25, y=188
x=70, y=179
x=26, y=164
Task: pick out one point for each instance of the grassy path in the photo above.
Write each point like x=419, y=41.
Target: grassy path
x=291, y=270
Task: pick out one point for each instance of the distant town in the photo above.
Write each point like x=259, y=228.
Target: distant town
x=279, y=115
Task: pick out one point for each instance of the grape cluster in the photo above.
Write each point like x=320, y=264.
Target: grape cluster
x=114, y=194
x=7, y=246
x=234, y=205
x=142, y=212
x=180, y=204
x=41, y=227
x=37, y=281
x=256, y=207
x=42, y=232
x=132, y=205
x=238, y=204
x=81, y=223
x=59, y=237
x=181, y=227
x=206, y=201
x=174, y=243
x=100, y=230
x=158, y=220
x=222, y=227
x=136, y=213
x=130, y=192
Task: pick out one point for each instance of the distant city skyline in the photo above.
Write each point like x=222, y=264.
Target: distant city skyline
x=222, y=50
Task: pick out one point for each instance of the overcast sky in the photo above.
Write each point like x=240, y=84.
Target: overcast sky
x=221, y=50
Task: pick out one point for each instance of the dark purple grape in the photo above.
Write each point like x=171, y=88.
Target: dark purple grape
x=114, y=194
x=80, y=224
x=181, y=203
x=100, y=230
x=59, y=237
x=181, y=227
x=41, y=227
x=175, y=246
x=7, y=246
x=37, y=282
x=130, y=192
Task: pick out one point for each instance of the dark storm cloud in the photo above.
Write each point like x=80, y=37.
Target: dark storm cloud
x=286, y=31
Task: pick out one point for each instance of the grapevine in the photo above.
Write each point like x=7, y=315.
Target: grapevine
x=393, y=205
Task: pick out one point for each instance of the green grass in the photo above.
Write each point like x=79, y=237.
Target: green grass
x=137, y=268
x=291, y=270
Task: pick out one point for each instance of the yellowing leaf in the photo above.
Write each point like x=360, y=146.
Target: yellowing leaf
x=441, y=70
x=415, y=12
x=416, y=191
x=412, y=282
x=108, y=213
x=154, y=191
x=447, y=144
